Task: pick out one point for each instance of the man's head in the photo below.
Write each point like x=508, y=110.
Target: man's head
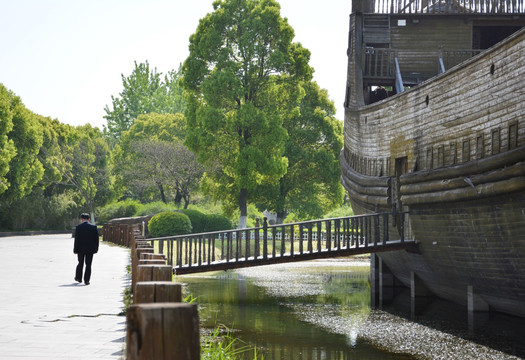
x=84, y=217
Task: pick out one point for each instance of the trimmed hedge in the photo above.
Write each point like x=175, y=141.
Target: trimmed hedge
x=169, y=223
x=198, y=220
x=216, y=222
x=153, y=208
x=121, y=209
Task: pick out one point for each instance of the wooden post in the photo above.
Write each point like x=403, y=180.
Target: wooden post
x=154, y=273
x=265, y=238
x=157, y=291
x=162, y=331
x=420, y=296
x=374, y=281
x=386, y=284
x=142, y=243
x=152, y=262
x=136, y=254
x=124, y=240
x=478, y=309
x=153, y=256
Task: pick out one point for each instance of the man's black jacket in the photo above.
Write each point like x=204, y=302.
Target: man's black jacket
x=86, y=239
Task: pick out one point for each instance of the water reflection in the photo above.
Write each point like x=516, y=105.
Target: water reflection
x=321, y=310
x=295, y=311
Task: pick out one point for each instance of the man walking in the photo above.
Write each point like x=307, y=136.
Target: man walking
x=86, y=244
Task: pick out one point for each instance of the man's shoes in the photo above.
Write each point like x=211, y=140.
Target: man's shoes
x=78, y=280
x=87, y=283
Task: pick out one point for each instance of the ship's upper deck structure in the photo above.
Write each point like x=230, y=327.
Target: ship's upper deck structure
x=401, y=43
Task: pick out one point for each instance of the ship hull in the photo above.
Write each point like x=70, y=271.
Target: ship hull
x=458, y=168
x=478, y=243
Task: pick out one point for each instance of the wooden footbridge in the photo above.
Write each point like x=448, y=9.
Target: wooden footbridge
x=273, y=244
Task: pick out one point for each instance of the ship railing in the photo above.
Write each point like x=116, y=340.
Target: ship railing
x=378, y=62
x=450, y=58
x=288, y=242
x=447, y=7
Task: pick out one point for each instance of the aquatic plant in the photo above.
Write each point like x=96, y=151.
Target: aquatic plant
x=221, y=345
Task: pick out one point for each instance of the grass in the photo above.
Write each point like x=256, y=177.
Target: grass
x=217, y=345
x=221, y=345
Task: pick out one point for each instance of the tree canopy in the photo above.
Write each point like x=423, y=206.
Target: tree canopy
x=7, y=147
x=20, y=139
x=152, y=159
x=84, y=165
x=145, y=91
x=311, y=186
x=47, y=168
x=242, y=70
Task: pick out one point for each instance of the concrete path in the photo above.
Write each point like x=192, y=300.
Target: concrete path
x=45, y=314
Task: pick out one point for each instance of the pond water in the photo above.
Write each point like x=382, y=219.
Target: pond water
x=318, y=310
x=307, y=310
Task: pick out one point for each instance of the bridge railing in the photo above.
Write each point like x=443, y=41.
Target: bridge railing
x=284, y=240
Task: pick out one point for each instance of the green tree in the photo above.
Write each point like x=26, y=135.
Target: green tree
x=50, y=152
x=170, y=165
x=311, y=186
x=242, y=68
x=7, y=147
x=145, y=91
x=84, y=166
x=24, y=168
x=151, y=155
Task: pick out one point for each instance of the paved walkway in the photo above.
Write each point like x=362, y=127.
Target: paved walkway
x=45, y=314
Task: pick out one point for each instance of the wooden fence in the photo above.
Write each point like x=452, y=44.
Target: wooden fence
x=270, y=244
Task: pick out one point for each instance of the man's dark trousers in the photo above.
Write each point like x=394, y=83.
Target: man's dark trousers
x=88, y=259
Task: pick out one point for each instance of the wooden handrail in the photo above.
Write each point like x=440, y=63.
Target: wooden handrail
x=268, y=244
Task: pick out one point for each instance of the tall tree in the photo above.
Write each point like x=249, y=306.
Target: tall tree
x=85, y=166
x=151, y=155
x=23, y=141
x=241, y=62
x=311, y=186
x=170, y=165
x=50, y=152
x=20, y=141
x=7, y=147
x=145, y=91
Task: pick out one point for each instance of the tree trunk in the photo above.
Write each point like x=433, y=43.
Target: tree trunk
x=280, y=211
x=178, y=198
x=243, y=219
x=92, y=212
x=162, y=195
x=280, y=217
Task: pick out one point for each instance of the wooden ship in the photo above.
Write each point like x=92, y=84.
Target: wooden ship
x=435, y=127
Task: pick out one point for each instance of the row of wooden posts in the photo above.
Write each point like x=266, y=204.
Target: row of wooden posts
x=159, y=325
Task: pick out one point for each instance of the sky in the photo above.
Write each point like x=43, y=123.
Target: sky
x=65, y=58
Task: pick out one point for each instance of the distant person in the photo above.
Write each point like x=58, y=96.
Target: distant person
x=86, y=244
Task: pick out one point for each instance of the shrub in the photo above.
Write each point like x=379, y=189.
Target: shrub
x=341, y=211
x=217, y=222
x=154, y=208
x=169, y=223
x=198, y=220
x=126, y=208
